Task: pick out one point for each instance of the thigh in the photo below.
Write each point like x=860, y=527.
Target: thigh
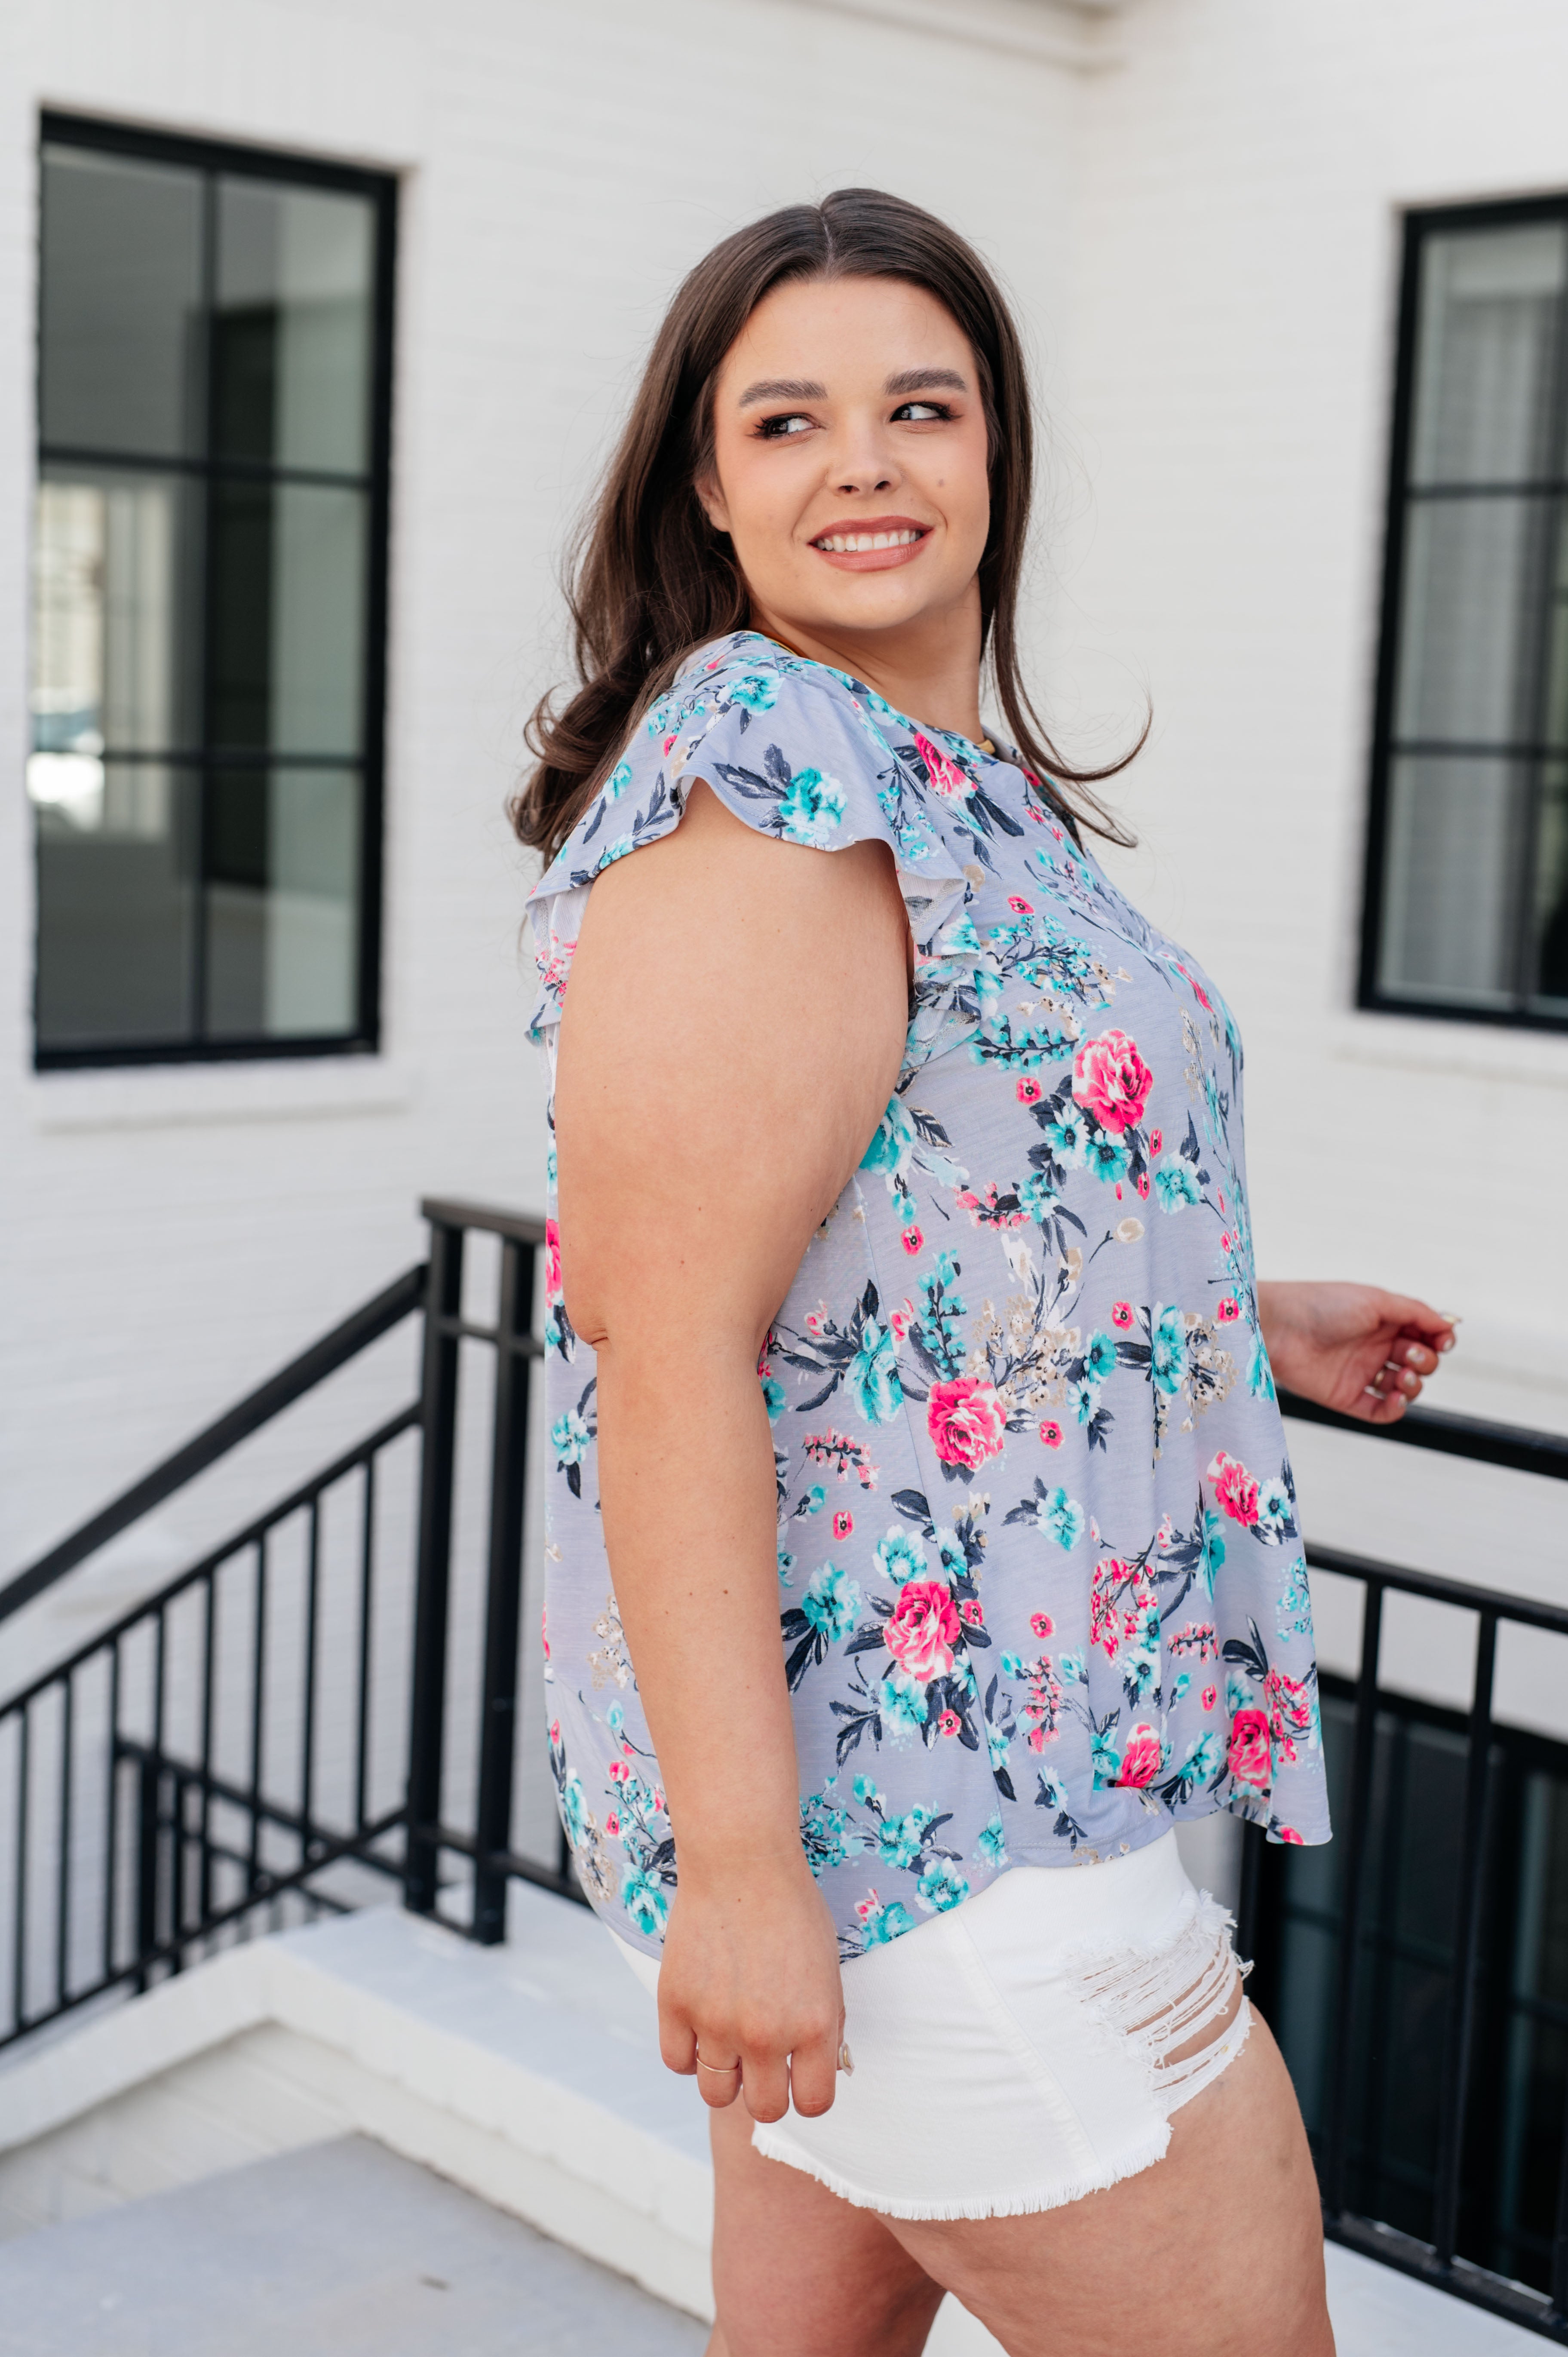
x=800, y=2272
x=1216, y=2251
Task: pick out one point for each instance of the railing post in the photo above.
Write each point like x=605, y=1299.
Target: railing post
x=1466, y=1942
x=438, y=1394
x=1363, y=1754
x=503, y=1593
x=149, y=1779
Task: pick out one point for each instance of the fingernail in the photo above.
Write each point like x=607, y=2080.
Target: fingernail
x=1449, y=1320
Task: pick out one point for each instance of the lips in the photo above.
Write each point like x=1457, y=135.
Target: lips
x=871, y=543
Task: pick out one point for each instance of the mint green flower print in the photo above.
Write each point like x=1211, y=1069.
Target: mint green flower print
x=1034, y=1507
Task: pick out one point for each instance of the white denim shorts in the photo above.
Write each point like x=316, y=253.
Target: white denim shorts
x=1010, y=2056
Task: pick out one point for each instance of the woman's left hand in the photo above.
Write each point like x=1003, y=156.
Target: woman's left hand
x=1352, y=1346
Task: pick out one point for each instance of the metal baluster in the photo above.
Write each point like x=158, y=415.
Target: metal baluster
x=1362, y=1756
x=62, y=1895
x=112, y=1817
x=367, y=1565
x=442, y=1308
x=503, y=1599
x=209, y=1631
x=1466, y=1943
x=258, y=1706
x=1558, y=2313
x=307, y=1843
x=169, y=1876
x=19, y=1921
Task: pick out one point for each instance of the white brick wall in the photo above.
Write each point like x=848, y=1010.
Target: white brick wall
x=1201, y=230
x=169, y=1236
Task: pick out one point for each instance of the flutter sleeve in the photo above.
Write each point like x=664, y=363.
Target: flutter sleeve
x=789, y=751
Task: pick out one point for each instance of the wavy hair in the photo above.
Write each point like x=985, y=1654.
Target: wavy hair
x=649, y=578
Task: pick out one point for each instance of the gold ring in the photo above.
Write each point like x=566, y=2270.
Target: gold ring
x=846, y=2060
x=716, y=2066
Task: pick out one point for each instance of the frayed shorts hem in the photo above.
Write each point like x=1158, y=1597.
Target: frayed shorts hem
x=1026, y=2204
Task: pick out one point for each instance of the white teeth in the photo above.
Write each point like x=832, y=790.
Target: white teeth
x=856, y=543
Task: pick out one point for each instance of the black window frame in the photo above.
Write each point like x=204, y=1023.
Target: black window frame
x=1419, y=223
x=234, y=159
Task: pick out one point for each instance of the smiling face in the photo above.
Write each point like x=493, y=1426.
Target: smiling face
x=850, y=466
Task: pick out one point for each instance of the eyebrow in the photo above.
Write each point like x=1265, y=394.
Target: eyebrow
x=799, y=388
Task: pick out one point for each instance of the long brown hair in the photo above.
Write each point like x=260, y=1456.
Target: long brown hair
x=649, y=578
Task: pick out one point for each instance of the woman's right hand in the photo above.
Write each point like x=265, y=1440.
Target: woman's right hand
x=750, y=1982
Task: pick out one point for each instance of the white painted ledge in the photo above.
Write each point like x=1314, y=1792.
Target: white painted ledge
x=164, y=1096
x=1082, y=36
x=528, y=2075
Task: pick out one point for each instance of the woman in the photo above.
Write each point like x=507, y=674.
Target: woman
x=912, y=1398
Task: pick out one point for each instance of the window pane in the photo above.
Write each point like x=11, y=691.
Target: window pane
x=1472, y=598
x=116, y=626
x=282, y=875
x=121, y=348
x=116, y=903
x=1489, y=306
x=292, y=338
x=1453, y=841
x=1551, y=891
x=288, y=616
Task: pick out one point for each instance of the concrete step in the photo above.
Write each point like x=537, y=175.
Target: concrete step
x=340, y=2249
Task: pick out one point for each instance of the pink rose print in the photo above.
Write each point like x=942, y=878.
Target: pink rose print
x=1029, y=1093
x=1248, y=1756
x=1142, y=1182
x=1289, y=1834
x=1042, y=1624
x=966, y=1420
x=1156, y=1141
x=1110, y=1080
x=971, y=1615
x=950, y=1723
x=923, y=1630
x=1020, y=907
x=1228, y=1311
x=612, y=1824
x=1122, y=1313
x=1142, y=1758
x=1051, y=1433
x=1235, y=1489
x=1104, y=1620
x=946, y=776
x=911, y=1240
x=1210, y=1697
x=842, y=1525
x=552, y=1261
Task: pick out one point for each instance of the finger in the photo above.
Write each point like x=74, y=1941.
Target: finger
x=1417, y=1356
x=1419, y=1319
x=718, y=2085
x=677, y=2042
x=1380, y=1407
x=813, y=2076
x=765, y=2081
x=1392, y=1376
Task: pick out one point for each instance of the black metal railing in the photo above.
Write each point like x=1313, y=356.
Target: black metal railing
x=1459, y=1854
x=328, y=1702
x=276, y=1720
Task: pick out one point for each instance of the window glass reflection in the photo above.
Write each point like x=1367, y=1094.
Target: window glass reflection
x=121, y=358
x=283, y=863
x=288, y=616
x=117, y=907
x=292, y=334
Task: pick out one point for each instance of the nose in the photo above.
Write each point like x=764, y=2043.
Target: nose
x=865, y=479
x=863, y=462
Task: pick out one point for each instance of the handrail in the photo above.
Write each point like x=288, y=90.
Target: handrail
x=1516, y=1445
x=454, y=1211
x=364, y=1325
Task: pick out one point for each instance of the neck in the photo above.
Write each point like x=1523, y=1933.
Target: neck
x=928, y=668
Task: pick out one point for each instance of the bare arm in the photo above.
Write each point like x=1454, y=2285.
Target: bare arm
x=732, y=1035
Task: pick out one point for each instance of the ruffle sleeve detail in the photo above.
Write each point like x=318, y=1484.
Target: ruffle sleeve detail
x=790, y=751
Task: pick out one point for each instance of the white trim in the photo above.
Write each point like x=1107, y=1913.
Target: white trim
x=1076, y=33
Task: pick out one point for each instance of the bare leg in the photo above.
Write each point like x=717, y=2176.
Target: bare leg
x=797, y=2272
x=1217, y=2250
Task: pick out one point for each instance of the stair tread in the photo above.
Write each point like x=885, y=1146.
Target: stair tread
x=341, y=2250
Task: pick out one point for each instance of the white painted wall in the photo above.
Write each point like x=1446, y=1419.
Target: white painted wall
x=168, y=1236
x=1195, y=202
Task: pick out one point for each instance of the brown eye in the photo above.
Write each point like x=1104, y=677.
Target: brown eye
x=917, y=412
x=773, y=429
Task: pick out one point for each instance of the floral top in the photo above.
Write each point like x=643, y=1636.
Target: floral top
x=1041, y=1588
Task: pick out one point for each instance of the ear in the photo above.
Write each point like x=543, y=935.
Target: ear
x=711, y=502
